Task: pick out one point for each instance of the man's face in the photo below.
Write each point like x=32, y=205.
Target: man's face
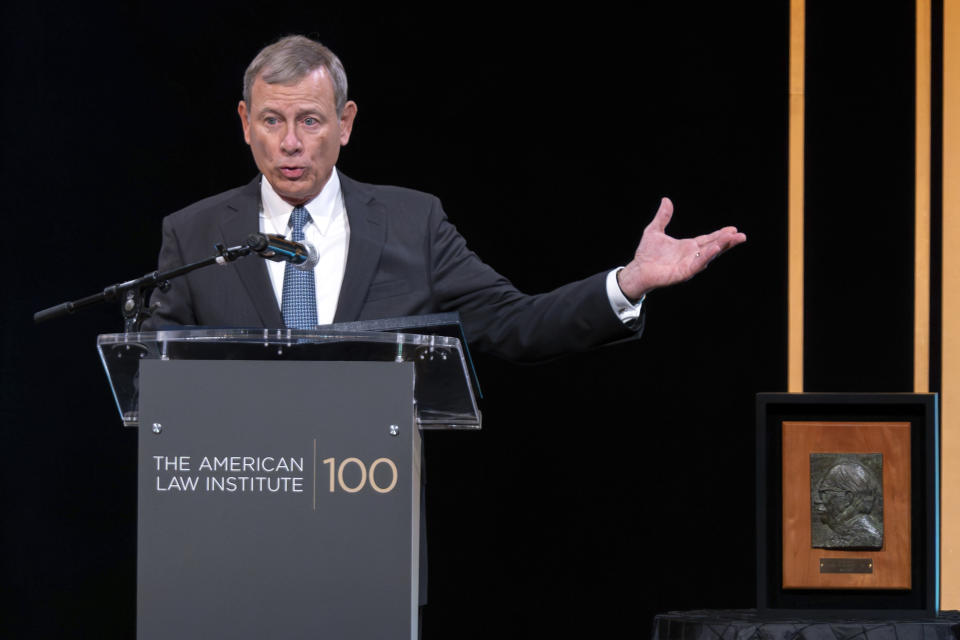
x=833, y=502
x=295, y=134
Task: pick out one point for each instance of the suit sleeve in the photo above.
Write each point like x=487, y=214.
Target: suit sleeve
x=173, y=307
x=502, y=320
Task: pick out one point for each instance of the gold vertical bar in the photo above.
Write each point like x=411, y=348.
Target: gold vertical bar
x=921, y=206
x=795, y=198
x=950, y=325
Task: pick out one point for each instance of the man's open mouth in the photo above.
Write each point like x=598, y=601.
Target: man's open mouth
x=292, y=172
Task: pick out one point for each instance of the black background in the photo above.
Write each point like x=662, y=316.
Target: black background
x=606, y=486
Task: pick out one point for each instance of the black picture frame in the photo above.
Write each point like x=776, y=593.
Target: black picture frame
x=921, y=410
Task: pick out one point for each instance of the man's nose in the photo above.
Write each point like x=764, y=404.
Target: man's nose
x=290, y=143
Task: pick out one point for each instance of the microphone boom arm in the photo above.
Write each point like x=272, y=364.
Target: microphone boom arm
x=132, y=293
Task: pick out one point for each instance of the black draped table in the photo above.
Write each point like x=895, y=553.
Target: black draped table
x=749, y=624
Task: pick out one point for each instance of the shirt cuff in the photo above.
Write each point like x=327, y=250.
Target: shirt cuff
x=625, y=310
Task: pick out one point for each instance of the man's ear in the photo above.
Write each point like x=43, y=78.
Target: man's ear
x=244, y=120
x=346, y=121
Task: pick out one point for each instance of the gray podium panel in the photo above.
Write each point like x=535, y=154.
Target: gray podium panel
x=277, y=500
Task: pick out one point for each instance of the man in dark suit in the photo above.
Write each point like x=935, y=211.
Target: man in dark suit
x=385, y=251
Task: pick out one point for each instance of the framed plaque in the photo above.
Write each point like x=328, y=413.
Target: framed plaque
x=847, y=502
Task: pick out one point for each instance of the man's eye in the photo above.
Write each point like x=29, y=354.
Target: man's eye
x=271, y=120
x=309, y=121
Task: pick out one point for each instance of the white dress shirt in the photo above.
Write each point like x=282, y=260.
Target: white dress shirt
x=621, y=305
x=329, y=232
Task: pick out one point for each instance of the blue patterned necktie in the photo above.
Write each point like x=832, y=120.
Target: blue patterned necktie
x=299, y=300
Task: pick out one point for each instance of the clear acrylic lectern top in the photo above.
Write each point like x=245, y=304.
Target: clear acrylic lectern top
x=444, y=388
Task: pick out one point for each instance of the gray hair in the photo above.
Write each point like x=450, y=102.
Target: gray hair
x=852, y=477
x=289, y=59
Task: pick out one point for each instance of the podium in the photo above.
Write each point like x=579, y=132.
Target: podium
x=279, y=476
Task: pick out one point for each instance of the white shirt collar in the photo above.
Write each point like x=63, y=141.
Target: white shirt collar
x=323, y=209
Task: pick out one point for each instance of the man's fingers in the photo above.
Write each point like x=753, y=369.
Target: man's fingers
x=663, y=215
x=710, y=237
x=723, y=241
x=733, y=240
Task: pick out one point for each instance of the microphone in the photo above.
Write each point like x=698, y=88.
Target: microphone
x=302, y=255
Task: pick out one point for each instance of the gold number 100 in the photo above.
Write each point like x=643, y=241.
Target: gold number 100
x=336, y=474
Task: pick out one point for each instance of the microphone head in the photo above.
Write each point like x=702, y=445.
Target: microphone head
x=313, y=257
x=302, y=255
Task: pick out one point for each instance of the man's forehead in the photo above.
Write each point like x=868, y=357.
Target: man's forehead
x=315, y=86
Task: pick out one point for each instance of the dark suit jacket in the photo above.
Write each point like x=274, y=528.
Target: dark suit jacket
x=404, y=258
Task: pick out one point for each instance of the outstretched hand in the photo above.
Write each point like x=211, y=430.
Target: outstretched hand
x=661, y=260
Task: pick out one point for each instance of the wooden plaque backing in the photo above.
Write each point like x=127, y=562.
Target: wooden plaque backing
x=801, y=562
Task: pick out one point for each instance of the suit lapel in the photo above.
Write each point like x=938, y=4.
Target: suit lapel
x=368, y=231
x=243, y=218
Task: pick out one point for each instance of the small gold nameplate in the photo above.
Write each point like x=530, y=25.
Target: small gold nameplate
x=846, y=565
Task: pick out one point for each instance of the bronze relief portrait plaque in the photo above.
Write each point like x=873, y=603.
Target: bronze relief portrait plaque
x=846, y=498
x=846, y=505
